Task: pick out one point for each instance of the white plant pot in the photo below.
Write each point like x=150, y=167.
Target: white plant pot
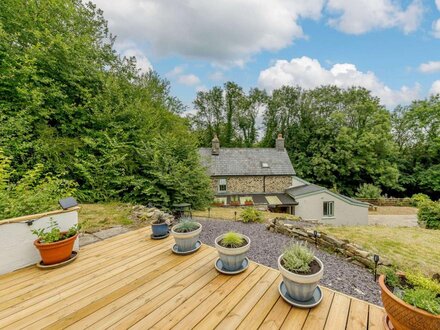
x=186, y=241
x=232, y=258
x=300, y=287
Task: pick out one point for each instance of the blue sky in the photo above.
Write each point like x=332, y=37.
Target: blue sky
x=390, y=47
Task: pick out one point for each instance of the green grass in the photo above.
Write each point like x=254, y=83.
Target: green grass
x=95, y=217
x=407, y=248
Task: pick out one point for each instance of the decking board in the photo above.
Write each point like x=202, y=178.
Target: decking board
x=133, y=281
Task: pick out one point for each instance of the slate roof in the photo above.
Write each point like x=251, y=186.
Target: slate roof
x=260, y=198
x=305, y=189
x=246, y=161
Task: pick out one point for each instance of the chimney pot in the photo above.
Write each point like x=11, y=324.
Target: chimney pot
x=215, y=145
x=279, y=143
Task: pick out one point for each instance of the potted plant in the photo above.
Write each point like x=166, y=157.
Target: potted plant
x=186, y=234
x=234, y=201
x=301, y=271
x=160, y=226
x=248, y=202
x=232, y=248
x=54, y=245
x=218, y=202
x=411, y=301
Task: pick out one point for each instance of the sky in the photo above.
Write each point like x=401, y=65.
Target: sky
x=390, y=47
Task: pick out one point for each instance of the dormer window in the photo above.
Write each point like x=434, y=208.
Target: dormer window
x=264, y=165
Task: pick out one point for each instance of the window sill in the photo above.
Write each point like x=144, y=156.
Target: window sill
x=328, y=218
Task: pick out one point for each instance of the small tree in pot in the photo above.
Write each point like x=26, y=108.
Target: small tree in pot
x=160, y=226
x=186, y=234
x=232, y=248
x=301, y=271
x=54, y=245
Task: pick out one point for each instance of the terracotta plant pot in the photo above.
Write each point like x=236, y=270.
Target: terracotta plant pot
x=234, y=203
x=218, y=204
x=248, y=203
x=403, y=316
x=299, y=286
x=232, y=258
x=54, y=253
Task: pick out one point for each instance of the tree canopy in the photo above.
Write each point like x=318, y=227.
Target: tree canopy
x=70, y=103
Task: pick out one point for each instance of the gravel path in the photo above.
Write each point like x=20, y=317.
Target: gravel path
x=266, y=246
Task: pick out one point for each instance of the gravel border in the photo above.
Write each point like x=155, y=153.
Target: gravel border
x=339, y=274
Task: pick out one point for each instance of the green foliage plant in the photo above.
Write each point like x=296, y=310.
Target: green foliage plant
x=232, y=240
x=368, y=190
x=186, y=226
x=429, y=214
x=53, y=234
x=418, y=199
x=415, y=289
x=251, y=214
x=297, y=258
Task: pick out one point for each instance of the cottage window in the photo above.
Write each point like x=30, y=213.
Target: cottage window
x=222, y=185
x=329, y=209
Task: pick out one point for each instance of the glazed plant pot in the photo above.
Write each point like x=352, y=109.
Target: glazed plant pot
x=186, y=241
x=160, y=229
x=300, y=287
x=403, y=316
x=232, y=258
x=54, y=253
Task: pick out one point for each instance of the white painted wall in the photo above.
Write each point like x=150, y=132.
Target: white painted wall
x=311, y=208
x=17, y=248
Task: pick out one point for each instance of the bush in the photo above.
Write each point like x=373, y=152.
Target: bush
x=418, y=199
x=33, y=193
x=429, y=214
x=368, y=190
x=251, y=215
x=297, y=258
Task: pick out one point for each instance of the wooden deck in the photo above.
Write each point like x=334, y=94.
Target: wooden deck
x=133, y=281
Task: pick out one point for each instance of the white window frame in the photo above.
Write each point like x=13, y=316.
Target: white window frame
x=222, y=182
x=328, y=209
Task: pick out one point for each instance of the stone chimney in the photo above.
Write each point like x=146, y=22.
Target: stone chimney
x=279, y=144
x=215, y=145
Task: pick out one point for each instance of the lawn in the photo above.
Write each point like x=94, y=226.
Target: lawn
x=228, y=213
x=408, y=248
x=394, y=210
x=95, y=217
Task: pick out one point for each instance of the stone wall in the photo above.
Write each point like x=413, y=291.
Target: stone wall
x=253, y=184
x=299, y=230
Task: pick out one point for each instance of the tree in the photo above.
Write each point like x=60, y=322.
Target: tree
x=71, y=103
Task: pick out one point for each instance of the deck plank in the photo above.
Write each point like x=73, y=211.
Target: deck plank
x=132, y=281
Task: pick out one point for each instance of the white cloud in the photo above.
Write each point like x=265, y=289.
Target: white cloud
x=436, y=29
x=222, y=31
x=129, y=49
x=217, y=76
x=175, y=71
x=435, y=88
x=430, y=67
x=308, y=73
x=201, y=88
x=437, y=2
x=360, y=16
x=188, y=80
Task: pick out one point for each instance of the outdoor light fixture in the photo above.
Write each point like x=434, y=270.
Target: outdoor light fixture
x=315, y=235
x=209, y=212
x=67, y=203
x=235, y=215
x=376, y=261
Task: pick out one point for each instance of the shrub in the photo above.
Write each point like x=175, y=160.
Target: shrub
x=368, y=190
x=34, y=192
x=251, y=215
x=429, y=214
x=232, y=240
x=418, y=199
x=297, y=258
x=186, y=226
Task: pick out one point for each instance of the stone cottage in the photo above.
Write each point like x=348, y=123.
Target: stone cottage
x=266, y=178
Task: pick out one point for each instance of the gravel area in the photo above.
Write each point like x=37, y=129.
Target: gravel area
x=339, y=274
